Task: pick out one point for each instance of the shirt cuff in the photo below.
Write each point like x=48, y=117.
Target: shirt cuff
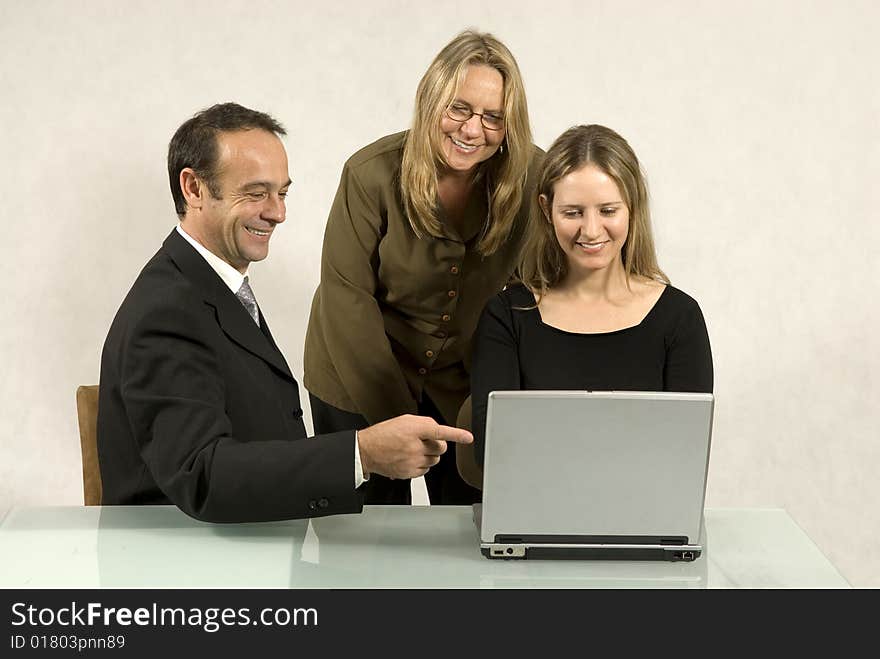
x=358, y=468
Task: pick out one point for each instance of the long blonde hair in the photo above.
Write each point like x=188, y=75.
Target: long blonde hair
x=506, y=170
x=543, y=263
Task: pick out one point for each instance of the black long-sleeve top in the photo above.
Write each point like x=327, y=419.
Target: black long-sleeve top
x=514, y=350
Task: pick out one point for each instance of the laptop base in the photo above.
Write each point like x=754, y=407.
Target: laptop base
x=594, y=553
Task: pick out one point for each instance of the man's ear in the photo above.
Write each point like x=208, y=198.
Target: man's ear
x=192, y=187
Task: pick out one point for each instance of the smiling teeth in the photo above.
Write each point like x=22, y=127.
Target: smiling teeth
x=462, y=145
x=257, y=232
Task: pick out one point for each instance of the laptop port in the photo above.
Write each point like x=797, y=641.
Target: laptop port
x=507, y=551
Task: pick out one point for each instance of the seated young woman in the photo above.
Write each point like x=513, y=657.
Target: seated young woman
x=592, y=310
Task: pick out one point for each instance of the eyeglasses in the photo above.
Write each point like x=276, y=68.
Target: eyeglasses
x=461, y=113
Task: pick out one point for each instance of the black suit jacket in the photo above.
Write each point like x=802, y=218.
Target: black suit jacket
x=197, y=406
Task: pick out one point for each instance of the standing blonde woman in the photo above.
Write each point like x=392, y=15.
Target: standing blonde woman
x=593, y=310
x=426, y=225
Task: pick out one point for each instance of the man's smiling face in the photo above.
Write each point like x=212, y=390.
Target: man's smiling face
x=251, y=185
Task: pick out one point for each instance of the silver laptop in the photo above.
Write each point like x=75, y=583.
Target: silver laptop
x=598, y=475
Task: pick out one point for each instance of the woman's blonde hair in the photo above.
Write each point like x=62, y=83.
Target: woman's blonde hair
x=543, y=263
x=505, y=171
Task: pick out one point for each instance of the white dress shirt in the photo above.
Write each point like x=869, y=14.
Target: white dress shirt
x=234, y=279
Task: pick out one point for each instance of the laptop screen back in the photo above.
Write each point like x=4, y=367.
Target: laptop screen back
x=576, y=463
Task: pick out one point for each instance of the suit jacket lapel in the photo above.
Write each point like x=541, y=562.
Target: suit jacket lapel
x=234, y=320
x=264, y=328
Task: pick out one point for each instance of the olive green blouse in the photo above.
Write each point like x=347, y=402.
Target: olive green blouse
x=394, y=314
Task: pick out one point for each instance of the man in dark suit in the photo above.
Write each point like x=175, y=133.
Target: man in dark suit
x=197, y=405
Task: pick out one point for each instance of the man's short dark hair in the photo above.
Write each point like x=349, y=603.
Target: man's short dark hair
x=194, y=145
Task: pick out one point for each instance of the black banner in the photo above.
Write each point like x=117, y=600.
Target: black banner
x=229, y=622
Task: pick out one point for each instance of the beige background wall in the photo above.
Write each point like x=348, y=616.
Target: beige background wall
x=757, y=123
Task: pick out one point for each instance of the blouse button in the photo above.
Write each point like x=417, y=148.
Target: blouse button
x=445, y=317
x=454, y=269
x=441, y=334
x=423, y=371
x=452, y=294
x=429, y=353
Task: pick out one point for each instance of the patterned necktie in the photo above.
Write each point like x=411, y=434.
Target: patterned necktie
x=246, y=296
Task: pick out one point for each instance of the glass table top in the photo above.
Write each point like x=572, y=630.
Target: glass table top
x=384, y=547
